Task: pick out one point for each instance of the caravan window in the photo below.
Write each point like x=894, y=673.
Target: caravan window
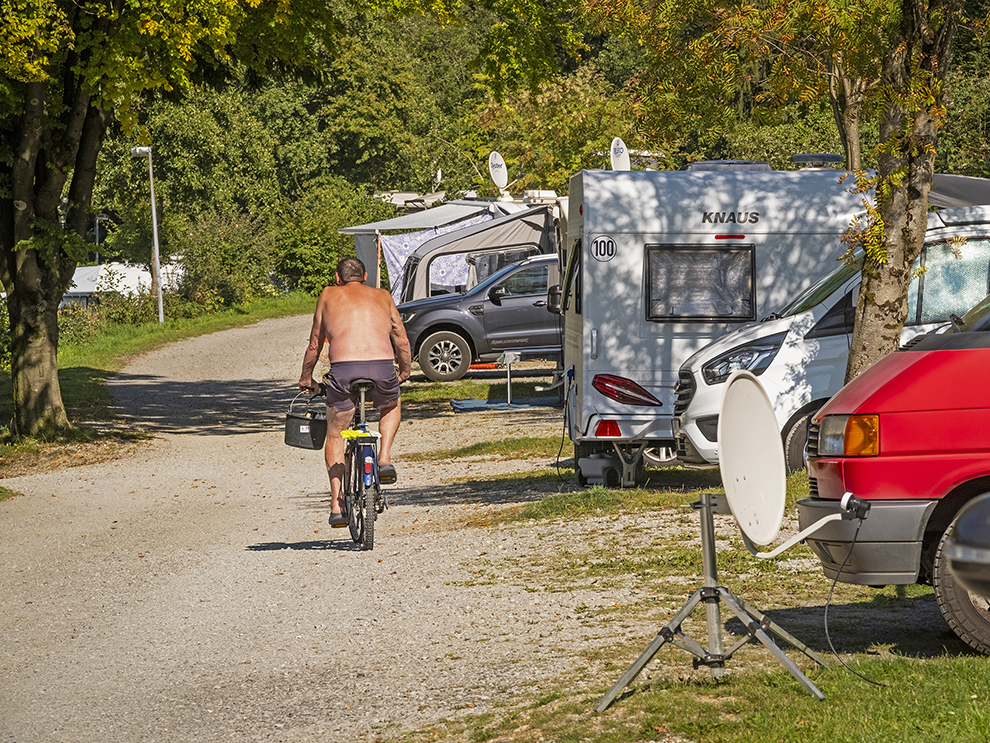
x=701, y=284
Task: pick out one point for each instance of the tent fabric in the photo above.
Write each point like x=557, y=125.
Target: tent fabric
x=426, y=219
x=398, y=248
x=443, y=260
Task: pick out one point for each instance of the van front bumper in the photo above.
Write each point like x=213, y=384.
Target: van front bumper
x=885, y=551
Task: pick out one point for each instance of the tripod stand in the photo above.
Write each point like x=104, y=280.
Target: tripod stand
x=712, y=594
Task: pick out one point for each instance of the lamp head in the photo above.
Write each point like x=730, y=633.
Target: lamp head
x=140, y=151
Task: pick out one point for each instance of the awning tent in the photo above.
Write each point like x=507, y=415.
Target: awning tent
x=366, y=236
x=464, y=257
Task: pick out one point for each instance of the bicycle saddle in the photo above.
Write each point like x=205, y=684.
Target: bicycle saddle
x=362, y=384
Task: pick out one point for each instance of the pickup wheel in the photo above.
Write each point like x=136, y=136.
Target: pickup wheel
x=444, y=356
x=967, y=614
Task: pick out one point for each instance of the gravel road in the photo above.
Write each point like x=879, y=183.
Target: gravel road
x=191, y=589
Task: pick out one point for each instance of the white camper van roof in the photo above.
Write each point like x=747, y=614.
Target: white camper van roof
x=706, y=202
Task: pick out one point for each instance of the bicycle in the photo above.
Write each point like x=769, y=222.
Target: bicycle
x=362, y=489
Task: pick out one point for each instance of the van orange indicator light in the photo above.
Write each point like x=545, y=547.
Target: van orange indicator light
x=862, y=437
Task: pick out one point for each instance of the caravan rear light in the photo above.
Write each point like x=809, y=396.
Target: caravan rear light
x=624, y=390
x=607, y=429
x=730, y=237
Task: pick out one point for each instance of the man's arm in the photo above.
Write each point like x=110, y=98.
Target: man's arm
x=316, y=337
x=400, y=343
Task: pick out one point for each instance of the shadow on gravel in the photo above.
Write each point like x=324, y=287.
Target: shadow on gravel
x=241, y=406
x=211, y=407
x=338, y=545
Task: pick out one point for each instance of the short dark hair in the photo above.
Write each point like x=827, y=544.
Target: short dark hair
x=351, y=269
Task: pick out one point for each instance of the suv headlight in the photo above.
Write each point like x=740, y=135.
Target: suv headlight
x=849, y=436
x=406, y=317
x=754, y=357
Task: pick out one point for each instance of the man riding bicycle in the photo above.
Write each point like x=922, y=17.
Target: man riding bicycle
x=364, y=332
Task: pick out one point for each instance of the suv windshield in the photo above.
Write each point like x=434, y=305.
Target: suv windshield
x=819, y=291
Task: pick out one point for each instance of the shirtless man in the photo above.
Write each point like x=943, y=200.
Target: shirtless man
x=364, y=332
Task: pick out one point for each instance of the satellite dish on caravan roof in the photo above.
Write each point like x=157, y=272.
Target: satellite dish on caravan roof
x=497, y=170
x=748, y=434
x=619, y=154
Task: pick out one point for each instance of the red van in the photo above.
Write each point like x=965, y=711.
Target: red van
x=910, y=435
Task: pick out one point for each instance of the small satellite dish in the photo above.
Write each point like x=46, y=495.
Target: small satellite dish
x=751, y=458
x=619, y=154
x=497, y=169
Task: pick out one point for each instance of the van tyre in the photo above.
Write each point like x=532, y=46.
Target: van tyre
x=795, y=441
x=967, y=614
x=444, y=356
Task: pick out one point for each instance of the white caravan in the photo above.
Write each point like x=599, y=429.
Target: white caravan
x=658, y=265
x=800, y=354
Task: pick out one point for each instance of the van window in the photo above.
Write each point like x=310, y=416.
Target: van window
x=950, y=284
x=704, y=284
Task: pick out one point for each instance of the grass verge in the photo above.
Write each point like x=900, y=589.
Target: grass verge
x=84, y=370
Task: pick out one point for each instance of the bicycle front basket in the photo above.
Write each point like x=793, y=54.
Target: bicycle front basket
x=306, y=428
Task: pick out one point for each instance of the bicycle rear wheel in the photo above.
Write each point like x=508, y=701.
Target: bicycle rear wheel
x=354, y=492
x=367, y=500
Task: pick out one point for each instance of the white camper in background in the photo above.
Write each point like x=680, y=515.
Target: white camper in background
x=658, y=265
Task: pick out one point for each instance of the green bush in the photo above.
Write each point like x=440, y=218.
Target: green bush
x=227, y=260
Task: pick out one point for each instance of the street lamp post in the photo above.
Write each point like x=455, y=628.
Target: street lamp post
x=146, y=152
x=99, y=218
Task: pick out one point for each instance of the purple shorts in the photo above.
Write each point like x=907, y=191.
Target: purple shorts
x=342, y=373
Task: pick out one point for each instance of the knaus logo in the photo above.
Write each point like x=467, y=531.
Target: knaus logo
x=730, y=217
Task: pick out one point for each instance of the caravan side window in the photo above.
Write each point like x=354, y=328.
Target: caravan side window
x=700, y=284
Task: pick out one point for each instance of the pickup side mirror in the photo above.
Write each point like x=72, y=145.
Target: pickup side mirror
x=554, y=296
x=495, y=294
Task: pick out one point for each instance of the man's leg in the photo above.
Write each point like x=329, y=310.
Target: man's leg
x=388, y=424
x=333, y=453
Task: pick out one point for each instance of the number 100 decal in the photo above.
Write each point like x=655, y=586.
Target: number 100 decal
x=603, y=248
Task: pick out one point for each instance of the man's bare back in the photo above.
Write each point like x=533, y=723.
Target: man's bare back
x=360, y=323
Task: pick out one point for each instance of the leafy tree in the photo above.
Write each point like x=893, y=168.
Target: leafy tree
x=547, y=136
x=64, y=67
x=888, y=58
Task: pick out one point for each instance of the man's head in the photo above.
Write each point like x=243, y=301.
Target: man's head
x=350, y=269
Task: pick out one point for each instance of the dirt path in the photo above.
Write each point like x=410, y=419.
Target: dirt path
x=192, y=590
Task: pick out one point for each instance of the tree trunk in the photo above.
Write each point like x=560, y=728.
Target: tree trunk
x=918, y=58
x=33, y=311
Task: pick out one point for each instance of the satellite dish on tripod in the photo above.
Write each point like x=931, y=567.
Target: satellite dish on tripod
x=751, y=460
x=746, y=423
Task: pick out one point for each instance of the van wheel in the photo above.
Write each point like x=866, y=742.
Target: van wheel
x=967, y=614
x=444, y=356
x=795, y=440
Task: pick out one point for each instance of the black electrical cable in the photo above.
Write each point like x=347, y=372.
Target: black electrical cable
x=829, y=601
x=563, y=432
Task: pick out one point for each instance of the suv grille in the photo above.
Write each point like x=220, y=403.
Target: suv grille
x=685, y=390
x=813, y=487
x=812, y=440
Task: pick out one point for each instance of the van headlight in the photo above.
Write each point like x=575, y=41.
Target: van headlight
x=754, y=357
x=849, y=436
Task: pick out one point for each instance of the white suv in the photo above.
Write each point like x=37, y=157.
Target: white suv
x=800, y=353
